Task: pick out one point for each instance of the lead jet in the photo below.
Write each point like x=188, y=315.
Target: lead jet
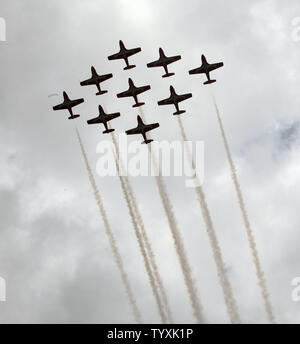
x=142, y=129
x=104, y=118
x=164, y=61
x=96, y=79
x=175, y=99
x=124, y=54
x=134, y=91
x=206, y=68
x=68, y=104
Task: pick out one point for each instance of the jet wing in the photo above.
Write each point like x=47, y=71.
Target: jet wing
x=113, y=115
x=87, y=82
x=143, y=89
x=105, y=77
x=124, y=94
x=198, y=70
x=216, y=66
x=185, y=96
x=174, y=59
x=152, y=126
x=133, y=51
x=116, y=56
x=95, y=120
x=133, y=131
x=76, y=102
x=61, y=106
x=157, y=63
x=167, y=101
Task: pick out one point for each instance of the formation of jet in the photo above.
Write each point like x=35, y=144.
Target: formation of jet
x=96, y=79
x=164, y=61
x=142, y=129
x=175, y=99
x=68, y=104
x=134, y=91
x=124, y=54
x=104, y=118
x=206, y=68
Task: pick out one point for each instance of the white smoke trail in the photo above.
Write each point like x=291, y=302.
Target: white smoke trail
x=147, y=243
x=139, y=237
x=110, y=235
x=178, y=241
x=250, y=235
x=217, y=253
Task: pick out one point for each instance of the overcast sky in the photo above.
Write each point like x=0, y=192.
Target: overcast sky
x=54, y=254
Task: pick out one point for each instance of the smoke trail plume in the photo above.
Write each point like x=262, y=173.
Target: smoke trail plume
x=217, y=253
x=110, y=235
x=147, y=243
x=250, y=235
x=139, y=237
x=178, y=242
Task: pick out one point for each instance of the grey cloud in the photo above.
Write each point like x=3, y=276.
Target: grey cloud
x=53, y=250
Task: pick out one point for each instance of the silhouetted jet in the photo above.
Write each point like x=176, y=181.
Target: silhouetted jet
x=134, y=91
x=67, y=104
x=175, y=99
x=164, y=61
x=206, y=68
x=104, y=118
x=142, y=129
x=96, y=79
x=124, y=54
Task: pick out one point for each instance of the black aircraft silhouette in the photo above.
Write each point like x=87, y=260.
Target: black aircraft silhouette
x=124, y=54
x=96, y=79
x=67, y=104
x=175, y=99
x=104, y=118
x=134, y=91
x=142, y=129
x=164, y=61
x=206, y=68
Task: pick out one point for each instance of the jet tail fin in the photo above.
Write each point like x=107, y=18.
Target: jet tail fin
x=73, y=117
x=167, y=75
x=101, y=92
x=209, y=82
x=138, y=104
x=147, y=141
x=129, y=67
x=108, y=131
x=179, y=112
